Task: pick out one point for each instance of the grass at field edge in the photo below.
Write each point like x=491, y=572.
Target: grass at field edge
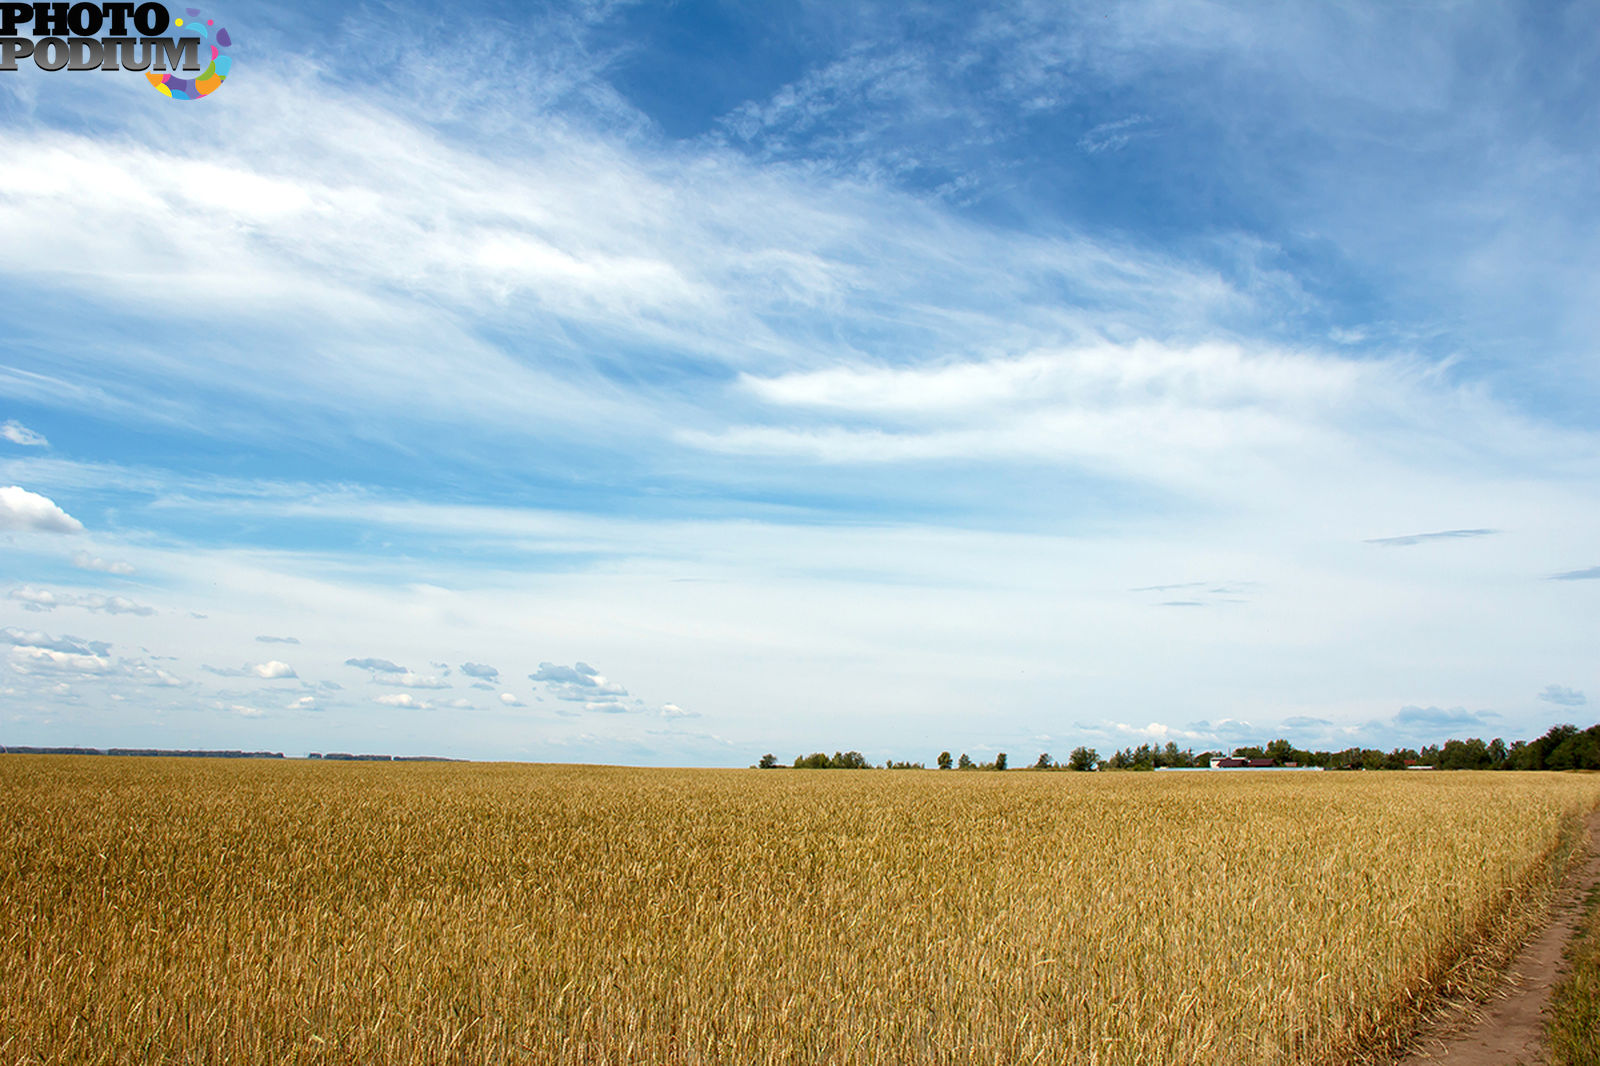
x=1574, y=1028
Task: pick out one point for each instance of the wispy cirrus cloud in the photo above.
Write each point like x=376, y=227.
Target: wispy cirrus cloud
x=1424, y=538
x=17, y=433
x=37, y=599
x=1591, y=573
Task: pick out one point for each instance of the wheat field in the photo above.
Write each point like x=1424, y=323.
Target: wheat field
x=198, y=911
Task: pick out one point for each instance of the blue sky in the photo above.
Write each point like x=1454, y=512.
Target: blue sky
x=717, y=379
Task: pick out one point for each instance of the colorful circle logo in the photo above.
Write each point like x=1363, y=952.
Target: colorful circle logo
x=209, y=80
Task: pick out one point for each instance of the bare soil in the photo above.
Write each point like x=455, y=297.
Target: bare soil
x=1508, y=1029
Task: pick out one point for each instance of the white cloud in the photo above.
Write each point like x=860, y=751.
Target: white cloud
x=409, y=680
x=403, y=699
x=245, y=710
x=35, y=599
x=36, y=639
x=1130, y=409
x=157, y=677
x=511, y=700
x=29, y=660
x=304, y=703
x=29, y=512
x=46, y=600
x=17, y=433
x=113, y=605
x=85, y=561
x=268, y=671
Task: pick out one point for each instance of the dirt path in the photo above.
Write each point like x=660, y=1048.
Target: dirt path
x=1509, y=1028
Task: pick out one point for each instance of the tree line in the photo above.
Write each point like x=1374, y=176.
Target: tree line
x=1564, y=747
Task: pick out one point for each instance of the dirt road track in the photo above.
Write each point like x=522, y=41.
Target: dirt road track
x=1509, y=1028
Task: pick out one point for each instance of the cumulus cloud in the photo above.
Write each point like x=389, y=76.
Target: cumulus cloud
x=29, y=659
x=409, y=680
x=67, y=644
x=85, y=561
x=36, y=653
x=272, y=670
x=403, y=699
x=245, y=710
x=17, y=433
x=510, y=700
x=480, y=671
x=29, y=512
x=581, y=674
x=672, y=710
x=35, y=599
x=382, y=666
x=278, y=640
x=113, y=605
x=1563, y=697
x=579, y=683
x=304, y=703
x=1423, y=538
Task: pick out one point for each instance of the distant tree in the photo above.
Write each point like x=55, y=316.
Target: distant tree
x=1171, y=756
x=1538, y=752
x=815, y=761
x=849, y=760
x=1497, y=753
x=964, y=763
x=944, y=760
x=1464, y=755
x=1000, y=761
x=1280, y=752
x=769, y=761
x=1579, y=751
x=1083, y=758
x=1044, y=762
x=1400, y=758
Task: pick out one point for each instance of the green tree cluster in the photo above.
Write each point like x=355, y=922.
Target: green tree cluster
x=1564, y=747
x=846, y=760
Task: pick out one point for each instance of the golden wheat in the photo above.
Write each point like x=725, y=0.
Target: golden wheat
x=206, y=912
